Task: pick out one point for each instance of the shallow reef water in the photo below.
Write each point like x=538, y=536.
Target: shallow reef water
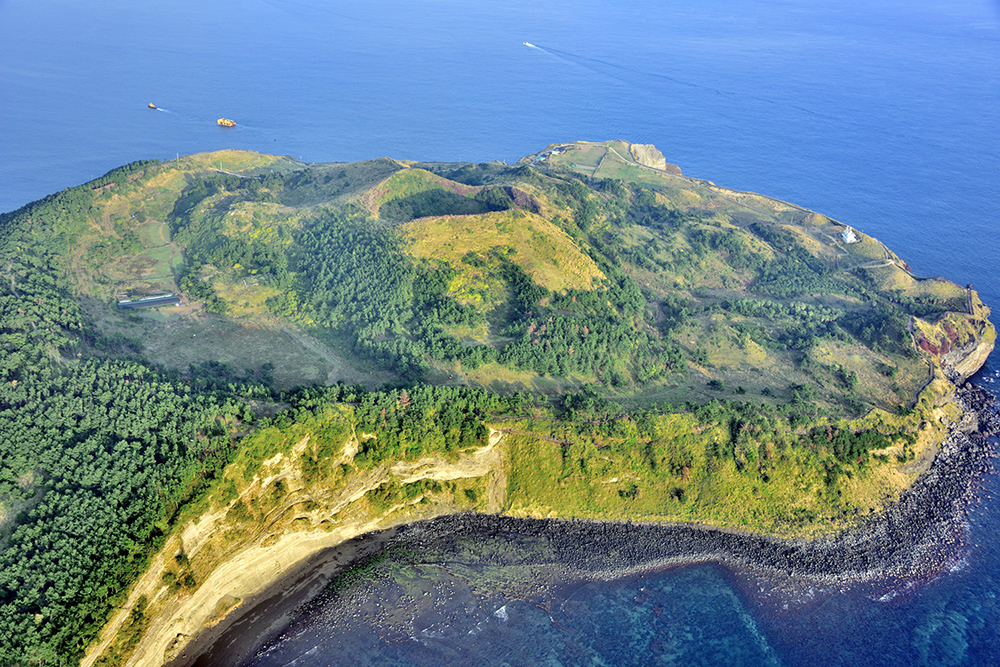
x=692, y=617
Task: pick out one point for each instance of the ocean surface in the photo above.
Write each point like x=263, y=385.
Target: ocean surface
x=883, y=114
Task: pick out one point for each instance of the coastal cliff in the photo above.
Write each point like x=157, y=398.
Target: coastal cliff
x=957, y=343
x=235, y=562
x=963, y=361
x=256, y=582
x=308, y=538
x=587, y=334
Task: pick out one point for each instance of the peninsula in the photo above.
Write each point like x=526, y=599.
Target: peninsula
x=586, y=334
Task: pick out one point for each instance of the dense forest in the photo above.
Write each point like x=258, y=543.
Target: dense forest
x=649, y=312
x=96, y=455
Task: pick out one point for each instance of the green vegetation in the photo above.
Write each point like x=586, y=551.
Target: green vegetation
x=98, y=455
x=663, y=349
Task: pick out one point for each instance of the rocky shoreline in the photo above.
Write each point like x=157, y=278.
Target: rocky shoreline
x=916, y=537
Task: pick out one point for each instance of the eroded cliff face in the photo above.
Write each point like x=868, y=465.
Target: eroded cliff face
x=234, y=562
x=648, y=155
x=963, y=362
x=958, y=342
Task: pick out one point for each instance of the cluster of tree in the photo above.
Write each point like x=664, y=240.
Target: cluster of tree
x=116, y=345
x=800, y=326
x=203, y=291
x=321, y=184
x=759, y=433
x=620, y=299
x=430, y=287
x=445, y=202
x=411, y=422
x=848, y=446
x=595, y=332
x=36, y=316
x=478, y=174
x=95, y=458
x=114, y=248
x=759, y=442
x=621, y=204
x=805, y=334
x=588, y=406
x=764, y=308
x=524, y=293
x=883, y=328
x=614, y=351
x=241, y=258
x=795, y=271
x=55, y=222
x=422, y=420
x=217, y=376
x=675, y=311
x=238, y=258
x=185, y=226
x=927, y=307
x=430, y=203
x=355, y=275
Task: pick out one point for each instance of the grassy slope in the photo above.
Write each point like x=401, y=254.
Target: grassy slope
x=540, y=245
x=543, y=250
x=665, y=472
x=249, y=336
x=763, y=373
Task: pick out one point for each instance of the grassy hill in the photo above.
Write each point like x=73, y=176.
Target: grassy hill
x=355, y=339
x=715, y=284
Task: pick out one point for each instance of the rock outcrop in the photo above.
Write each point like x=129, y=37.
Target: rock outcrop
x=967, y=342
x=647, y=155
x=962, y=362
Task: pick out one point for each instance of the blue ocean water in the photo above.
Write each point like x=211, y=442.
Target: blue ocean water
x=883, y=114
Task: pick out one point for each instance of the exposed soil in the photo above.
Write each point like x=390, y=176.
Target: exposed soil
x=241, y=588
x=914, y=537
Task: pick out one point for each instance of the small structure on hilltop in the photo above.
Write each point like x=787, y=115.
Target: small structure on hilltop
x=150, y=301
x=848, y=236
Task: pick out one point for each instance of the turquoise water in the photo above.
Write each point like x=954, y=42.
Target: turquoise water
x=882, y=114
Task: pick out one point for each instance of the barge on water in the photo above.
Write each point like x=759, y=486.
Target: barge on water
x=150, y=301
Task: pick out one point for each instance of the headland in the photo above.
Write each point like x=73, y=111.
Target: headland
x=585, y=343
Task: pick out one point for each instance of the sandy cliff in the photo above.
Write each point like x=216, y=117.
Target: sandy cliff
x=236, y=567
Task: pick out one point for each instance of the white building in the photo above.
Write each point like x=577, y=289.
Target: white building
x=848, y=236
